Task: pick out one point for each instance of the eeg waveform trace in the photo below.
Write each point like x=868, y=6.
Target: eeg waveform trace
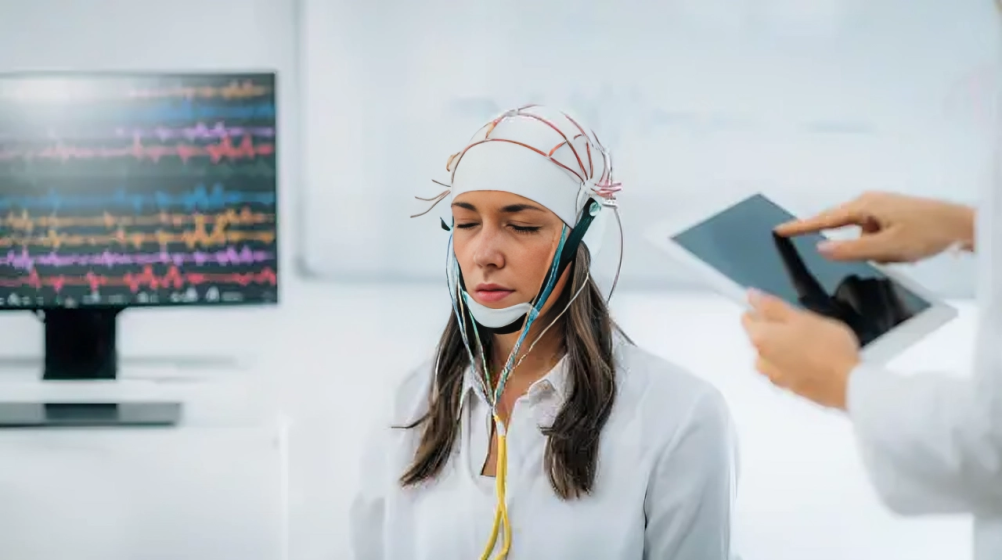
x=138, y=190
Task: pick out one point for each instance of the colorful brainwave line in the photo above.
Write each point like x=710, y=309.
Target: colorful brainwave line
x=224, y=149
x=174, y=278
x=230, y=256
x=40, y=174
x=24, y=221
x=190, y=111
x=167, y=112
x=234, y=90
x=197, y=198
x=198, y=236
x=199, y=131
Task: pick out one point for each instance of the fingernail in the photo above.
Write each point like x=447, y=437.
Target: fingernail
x=826, y=246
x=754, y=295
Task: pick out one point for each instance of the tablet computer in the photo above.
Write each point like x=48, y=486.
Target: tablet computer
x=733, y=247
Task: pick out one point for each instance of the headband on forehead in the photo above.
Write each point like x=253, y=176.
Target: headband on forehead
x=539, y=153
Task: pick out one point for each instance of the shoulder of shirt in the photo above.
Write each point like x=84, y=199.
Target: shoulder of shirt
x=403, y=400
x=409, y=393
x=666, y=393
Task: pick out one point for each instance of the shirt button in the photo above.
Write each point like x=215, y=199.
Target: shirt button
x=538, y=392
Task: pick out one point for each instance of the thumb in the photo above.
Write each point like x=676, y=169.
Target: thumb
x=876, y=246
x=769, y=307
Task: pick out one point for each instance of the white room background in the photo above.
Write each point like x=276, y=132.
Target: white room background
x=811, y=101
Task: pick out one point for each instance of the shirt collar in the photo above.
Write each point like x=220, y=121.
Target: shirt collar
x=557, y=381
x=471, y=386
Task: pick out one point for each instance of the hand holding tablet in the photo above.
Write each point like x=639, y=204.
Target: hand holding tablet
x=807, y=353
x=743, y=246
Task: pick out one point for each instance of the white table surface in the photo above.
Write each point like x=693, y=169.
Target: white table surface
x=213, y=487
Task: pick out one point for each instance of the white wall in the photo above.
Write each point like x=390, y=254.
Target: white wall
x=812, y=101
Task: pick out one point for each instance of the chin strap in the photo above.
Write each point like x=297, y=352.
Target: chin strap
x=577, y=234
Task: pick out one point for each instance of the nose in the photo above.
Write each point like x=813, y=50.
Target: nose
x=487, y=250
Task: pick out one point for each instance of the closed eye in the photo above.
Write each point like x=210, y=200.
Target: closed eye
x=517, y=229
x=525, y=229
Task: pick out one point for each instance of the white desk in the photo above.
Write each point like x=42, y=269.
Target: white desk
x=212, y=488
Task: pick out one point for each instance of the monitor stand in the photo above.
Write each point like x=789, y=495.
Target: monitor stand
x=80, y=345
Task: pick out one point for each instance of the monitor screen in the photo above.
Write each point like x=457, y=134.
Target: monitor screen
x=134, y=190
x=740, y=244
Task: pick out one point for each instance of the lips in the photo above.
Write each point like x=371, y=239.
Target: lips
x=491, y=293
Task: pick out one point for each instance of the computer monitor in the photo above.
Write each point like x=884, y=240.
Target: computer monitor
x=121, y=190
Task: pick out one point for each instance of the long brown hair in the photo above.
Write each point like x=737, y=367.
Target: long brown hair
x=572, y=441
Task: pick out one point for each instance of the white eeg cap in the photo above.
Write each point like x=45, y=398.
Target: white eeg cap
x=545, y=156
x=542, y=154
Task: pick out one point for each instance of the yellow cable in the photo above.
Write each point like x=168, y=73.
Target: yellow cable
x=501, y=513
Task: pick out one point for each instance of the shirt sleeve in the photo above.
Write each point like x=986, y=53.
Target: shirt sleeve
x=691, y=492
x=931, y=444
x=367, y=509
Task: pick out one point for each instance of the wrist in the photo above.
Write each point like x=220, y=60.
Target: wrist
x=963, y=219
x=844, y=374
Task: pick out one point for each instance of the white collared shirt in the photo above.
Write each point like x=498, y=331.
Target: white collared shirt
x=664, y=489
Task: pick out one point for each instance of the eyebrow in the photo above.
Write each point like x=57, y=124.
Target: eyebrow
x=510, y=209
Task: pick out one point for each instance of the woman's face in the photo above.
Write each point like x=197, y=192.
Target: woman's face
x=505, y=245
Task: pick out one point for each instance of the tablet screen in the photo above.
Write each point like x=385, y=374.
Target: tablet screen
x=739, y=242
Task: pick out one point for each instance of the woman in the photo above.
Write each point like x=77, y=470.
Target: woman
x=575, y=444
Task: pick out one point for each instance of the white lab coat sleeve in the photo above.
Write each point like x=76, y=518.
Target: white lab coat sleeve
x=366, y=519
x=691, y=491
x=931, y=444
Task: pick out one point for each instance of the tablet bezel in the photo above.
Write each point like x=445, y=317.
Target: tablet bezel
x=885, y=348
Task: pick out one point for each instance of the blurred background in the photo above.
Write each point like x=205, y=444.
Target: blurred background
x=809, y=101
